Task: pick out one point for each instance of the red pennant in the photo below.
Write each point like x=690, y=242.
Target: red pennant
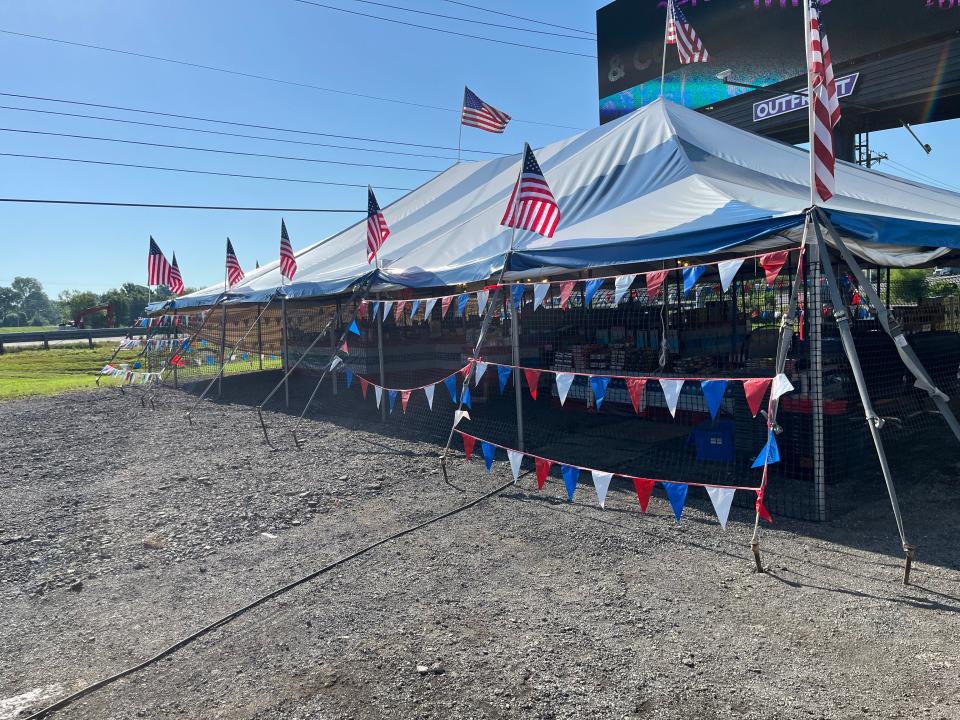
x=635, y=387
x=363, y=309
x=533, y=379
x=404, y=397
x=543, y=469
x=655, y=282
x=176, y=361
x=465, y=370
x=772, y=263
x=445, y=305
x=755, y=390
x=856, y=298
x=345, y=349
x=364, y=384
x=468, y=442
x=566, y=288
x=398, y=311
x=762, y=509
x=644, y=487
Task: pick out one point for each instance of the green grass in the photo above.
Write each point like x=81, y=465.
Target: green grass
x=48, y=372
x=31, y=328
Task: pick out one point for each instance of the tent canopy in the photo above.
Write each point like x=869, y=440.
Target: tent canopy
x=662, y=183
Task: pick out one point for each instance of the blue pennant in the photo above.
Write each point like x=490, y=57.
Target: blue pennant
x=570, y=476
x=769, y=454
x=590, y=290
x=503, y=373
x=599, y=385
x=677, y=494
x=489, y=452
x=376, y=309
x=517, y=292
x=413, y=310
x=451, y=383
x=462, y=304
x=203, y=343
x=137, y=365
x=349, y=377
x=691, y=275
x=713, y=391
x=466, y=396
x=392, y=394
x=245, y=356
x=354, y=328
x=209, y=359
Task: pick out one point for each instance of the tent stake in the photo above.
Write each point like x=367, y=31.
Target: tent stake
x=755, y=546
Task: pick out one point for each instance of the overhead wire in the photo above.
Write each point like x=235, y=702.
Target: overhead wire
x=519, y=17
x=106, y=203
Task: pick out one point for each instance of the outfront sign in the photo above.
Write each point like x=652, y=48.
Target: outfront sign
x=783, y=104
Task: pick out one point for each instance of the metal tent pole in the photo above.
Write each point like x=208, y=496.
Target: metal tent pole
x=223, y=347
x=383, y=382
x=286, y=354
x=515, y=348
x=815, y=379
x=259, y=338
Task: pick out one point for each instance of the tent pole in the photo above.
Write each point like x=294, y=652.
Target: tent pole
x=380, y=311
x=815, y=379
x=223, y=347
x=259, y=338
x=515, y=348
x=874, y=423
x=286, y=354
x=333, y=350
x=666, y=26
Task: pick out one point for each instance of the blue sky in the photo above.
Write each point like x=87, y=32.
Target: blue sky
x=97, y=248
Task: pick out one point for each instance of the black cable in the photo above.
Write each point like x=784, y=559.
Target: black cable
x=194, y=172
x=444, y=30
x=60, y=704
x=238, y=124
x=241, y=153
x=44, y=201
x=519, y=17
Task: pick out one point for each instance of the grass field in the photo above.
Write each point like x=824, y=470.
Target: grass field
x=48, y=372
x=32, y=328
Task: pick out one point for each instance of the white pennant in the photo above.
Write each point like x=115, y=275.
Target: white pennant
x=671, y=393
x=728, y=269
x=621, y=285
x=459, y=415
x=386, y=308
x=480, y=369
x=722, y=499
x=482, y=297
x=428, y=308
x=781, y=386
x=564, y=380
x=516, y=458
x=428, y=390
x=540, y=291
x=601, y=481
x=379, y=390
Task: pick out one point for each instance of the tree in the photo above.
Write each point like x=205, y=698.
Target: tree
x=25, y=298
x=73, y=301
x=908, y=286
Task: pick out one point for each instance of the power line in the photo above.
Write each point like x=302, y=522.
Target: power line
x=254, y=76
x=194, y=148
x=194, y=172
x=46, y=201
x=444, y=30
x=234, y=123
x=518, y=17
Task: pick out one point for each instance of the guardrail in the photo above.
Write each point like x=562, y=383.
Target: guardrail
x=70, y=334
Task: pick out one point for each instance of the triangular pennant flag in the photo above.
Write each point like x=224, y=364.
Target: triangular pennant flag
x=601, y=482
x=465, y=397
x=620, y=287
x=564, y=381
x=540, y=291
x=769, y=454
x=379, y=391
x=570, y=476
x=566, y=289
x=363, y=309
x=451, y=383
x=515, y=458
x=762, y=509
x=392, y=395
x=772, y=264
x=404, y=398
x=428, y=391
x=364, y=384
x=590, y=290
x=459, y=415
x=482, y=297
x=414, y=308
x=543, y=469
x=354, y=328
x=349, y=376
x=713, y=391
x=635, y=387
x=517, y=294
x=468, y=442
x=480, y=369
x=654, y=283
x=462, y=304
x=503, y=374
x=428, y=308
x=445, y=305
x=387, y=304
x=755, y=389
x=399, y=310
x=533, y=379
x=599, y=386
x=344, y=347
x=728, y=270
x=677, y=495
x=643, y=487
x=722, y=499
x=690, y=277
x=376, y=309
x=671, y=393
x=781, y=386
x=489, y=453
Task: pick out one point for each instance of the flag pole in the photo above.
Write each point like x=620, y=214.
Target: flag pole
x=515, y=311
x=666, y=25
x=460, y=122
x=810, y=115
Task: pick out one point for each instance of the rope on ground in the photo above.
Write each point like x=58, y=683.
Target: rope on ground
x=60, y=704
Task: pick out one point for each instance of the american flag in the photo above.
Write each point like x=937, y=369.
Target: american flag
x=681, y=33
x=476, y=113
x=176, y=279
x=288, y=263
x=234, y=271
x=532, y=205
x=377, y=230
x=158, y=269
x=826, y=107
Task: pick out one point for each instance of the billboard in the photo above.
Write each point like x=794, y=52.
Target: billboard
x=760, y=41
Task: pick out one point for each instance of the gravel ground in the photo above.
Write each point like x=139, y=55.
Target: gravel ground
x=123, y=529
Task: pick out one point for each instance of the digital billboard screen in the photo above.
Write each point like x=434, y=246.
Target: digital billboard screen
x=760, y=41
